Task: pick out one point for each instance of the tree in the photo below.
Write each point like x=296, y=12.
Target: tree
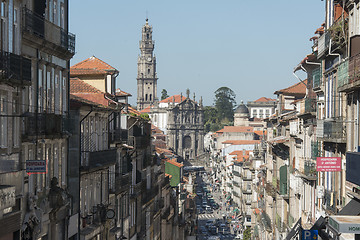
x=225, y=104
x=247, y=233
x=164, y=94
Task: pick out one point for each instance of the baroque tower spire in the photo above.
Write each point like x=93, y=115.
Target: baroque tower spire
x=146, y=77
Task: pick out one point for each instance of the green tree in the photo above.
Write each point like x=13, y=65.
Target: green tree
x=211, y=119
x=225, y=104
x=247, y=233
x=164, y=94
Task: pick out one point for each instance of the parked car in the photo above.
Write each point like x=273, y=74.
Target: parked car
x=208, y=209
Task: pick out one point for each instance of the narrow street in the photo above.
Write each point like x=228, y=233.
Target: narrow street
x=213, y=216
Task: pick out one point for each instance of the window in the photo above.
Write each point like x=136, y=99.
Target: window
x=62, y=15
x=150, y=97
x=146, y=97
x=16, y=122
x=3, y=120
x=148, y=70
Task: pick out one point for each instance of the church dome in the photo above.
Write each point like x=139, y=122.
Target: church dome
x=242, y=109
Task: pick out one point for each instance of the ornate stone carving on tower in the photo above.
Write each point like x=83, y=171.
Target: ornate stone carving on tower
x=146, y=78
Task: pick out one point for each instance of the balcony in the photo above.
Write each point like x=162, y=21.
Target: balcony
x=150, y=194
x=317, y=78
x=343, y=73
x=353, y=76
x=332, y=130
x=330, y=201
x=122, y=183
x=310, y=170
x=15, y=68
x=119, y=136
x=323, y=44
x=41, y=33
x=99, y=159
x=139, y=142
x=310, y=105
x=43, y=124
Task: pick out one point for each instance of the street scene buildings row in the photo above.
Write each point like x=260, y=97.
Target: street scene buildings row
x=302, y=173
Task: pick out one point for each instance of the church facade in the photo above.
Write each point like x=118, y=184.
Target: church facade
x=185, y=129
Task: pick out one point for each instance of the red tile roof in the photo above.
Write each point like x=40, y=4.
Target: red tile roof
x=91, y=66
x=177, y=99
x=174, y=162
x=133, y=110
x=81, y=91
x=236, y=129
x=145, y=110
x=241, y=142
x=265, y=99
x=155, y=129
x=296, y=89
x=79, y=86
x=119, y=92
x=260, y=133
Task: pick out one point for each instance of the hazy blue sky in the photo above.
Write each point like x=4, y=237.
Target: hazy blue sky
x=248, y=46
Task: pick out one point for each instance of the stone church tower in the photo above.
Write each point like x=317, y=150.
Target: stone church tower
x=146, y=77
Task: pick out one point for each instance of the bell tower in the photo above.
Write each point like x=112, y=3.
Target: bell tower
x=146, y=77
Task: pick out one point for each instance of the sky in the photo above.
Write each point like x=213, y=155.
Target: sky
x=250, y=47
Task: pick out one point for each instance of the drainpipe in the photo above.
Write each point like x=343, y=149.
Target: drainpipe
x=302, y=81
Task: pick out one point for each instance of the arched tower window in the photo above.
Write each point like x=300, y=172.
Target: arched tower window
x=146, y=97
x=149, y=71
x=150, y=97
x=147, y=36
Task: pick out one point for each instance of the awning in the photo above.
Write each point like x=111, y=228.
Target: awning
x=352, y=208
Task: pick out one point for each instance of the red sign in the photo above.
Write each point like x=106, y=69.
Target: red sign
x=328, y=164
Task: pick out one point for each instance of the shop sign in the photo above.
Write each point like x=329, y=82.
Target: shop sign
x=345, y=224
x=328, y=164
x=35, y=166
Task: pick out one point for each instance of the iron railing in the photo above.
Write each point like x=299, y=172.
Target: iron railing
x=40, y=27
x=15, y=67
x=354, y=68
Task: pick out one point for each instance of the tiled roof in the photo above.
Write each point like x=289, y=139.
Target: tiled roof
x=155, y=129
x=296, y=89
x=131, y=110
x=145, y=110
x=79, y=86
x=119, y=92
x=241, y=142
x=265, y=99
x=176, y=98
x=168, y=175
x=90, y=66
x=260, y=133
x=235, y=129
x=240, y=156
x=81, y=91
x=174, y=162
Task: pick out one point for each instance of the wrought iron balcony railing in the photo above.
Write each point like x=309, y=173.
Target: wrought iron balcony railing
x=41, y=28
x=15, y=68
x=331, y=129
